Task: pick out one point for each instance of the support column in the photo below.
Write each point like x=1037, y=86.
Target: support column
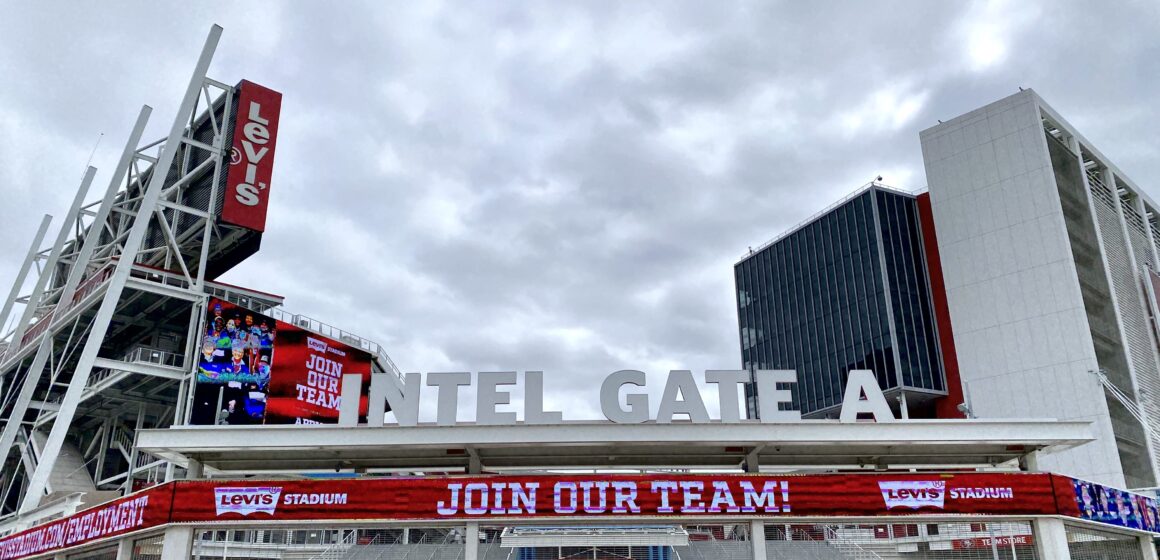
x=194, y=470
x=1147, y=548
x=178, y=543
x=1050, y=537
x=24, y=268
x=125, y=548
x=1030, y=462
x=471, y=542
x=753, y=461
x=757, y=538
x=33, y=374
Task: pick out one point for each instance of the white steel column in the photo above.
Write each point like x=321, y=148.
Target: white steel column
x=177, y=543
x=1050, y=537
x=66, y=230
x=32, y=376
x=471, y=541
x=757, y=538
x=112, y=296
x=133, y=452
x=23, y=274
x=81, y=264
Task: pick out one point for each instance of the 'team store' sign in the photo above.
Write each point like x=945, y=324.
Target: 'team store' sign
x=681, y=397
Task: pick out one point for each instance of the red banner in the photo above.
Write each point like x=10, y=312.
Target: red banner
x=251, y=156
x=527, y=497
x=132, y=513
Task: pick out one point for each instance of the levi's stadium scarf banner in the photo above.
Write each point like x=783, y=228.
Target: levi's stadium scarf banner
x=690, y=498
x=524, y=497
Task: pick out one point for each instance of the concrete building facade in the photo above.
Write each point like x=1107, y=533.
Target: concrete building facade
x=1049, y=252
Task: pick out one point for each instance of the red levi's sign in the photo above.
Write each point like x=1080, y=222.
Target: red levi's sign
x=132, y=513
x=251, y=156
x=526, y=497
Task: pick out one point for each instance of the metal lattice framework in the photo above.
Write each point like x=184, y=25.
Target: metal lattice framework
x=143, y=244
x=105, y=320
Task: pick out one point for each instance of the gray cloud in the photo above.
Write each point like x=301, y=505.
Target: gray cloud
x=556, y=186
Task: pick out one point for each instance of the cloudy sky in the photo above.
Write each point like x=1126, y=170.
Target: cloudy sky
x=549, y=185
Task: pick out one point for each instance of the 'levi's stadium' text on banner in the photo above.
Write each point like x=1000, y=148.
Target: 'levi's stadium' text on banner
x=254, y=369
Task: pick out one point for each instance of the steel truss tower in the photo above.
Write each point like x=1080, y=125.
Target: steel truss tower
x=105, y=340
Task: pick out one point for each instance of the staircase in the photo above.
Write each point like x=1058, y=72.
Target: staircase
x=69, y=474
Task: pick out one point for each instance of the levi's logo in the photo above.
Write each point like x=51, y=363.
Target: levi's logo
x=913, y=494
x=255, y=133
x=245, y=501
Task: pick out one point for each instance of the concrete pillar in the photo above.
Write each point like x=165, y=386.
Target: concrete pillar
x=125, y=549
x=753, y=461
x=178, y=543
x=1050, y=538
x=1030, y=462
x=1147, y=548
x=194, y=470
x=757, y=538
x=471, y=542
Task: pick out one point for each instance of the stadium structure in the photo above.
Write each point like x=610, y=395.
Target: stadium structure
x=153, y=412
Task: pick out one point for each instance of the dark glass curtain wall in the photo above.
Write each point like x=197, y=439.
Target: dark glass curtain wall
x=815, y=302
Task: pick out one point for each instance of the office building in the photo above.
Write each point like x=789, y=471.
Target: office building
x=847, y=289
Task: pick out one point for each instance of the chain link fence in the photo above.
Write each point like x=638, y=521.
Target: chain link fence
x=906, y=541
x=103, y=553
x=1084, y=543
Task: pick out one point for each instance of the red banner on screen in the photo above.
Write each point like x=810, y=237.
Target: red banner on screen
x=251, y=156
x=528, y=497
x=306, y=378
x=132, y=513
x=254, y=369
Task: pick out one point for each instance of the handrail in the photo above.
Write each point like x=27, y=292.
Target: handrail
x=850, y=196
x=326, y=554
x=841, y=543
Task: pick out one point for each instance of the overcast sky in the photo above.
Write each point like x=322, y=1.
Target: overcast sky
x=549, y=185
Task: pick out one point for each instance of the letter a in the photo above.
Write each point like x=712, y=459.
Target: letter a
x=863, y=382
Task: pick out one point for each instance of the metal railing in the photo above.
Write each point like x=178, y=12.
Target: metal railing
x=146, y=355
x=849, y=196
x=849, y=548
x=330, y=331
x=244, y=299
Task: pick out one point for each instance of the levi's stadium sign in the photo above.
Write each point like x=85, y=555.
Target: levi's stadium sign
x=255, y=133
